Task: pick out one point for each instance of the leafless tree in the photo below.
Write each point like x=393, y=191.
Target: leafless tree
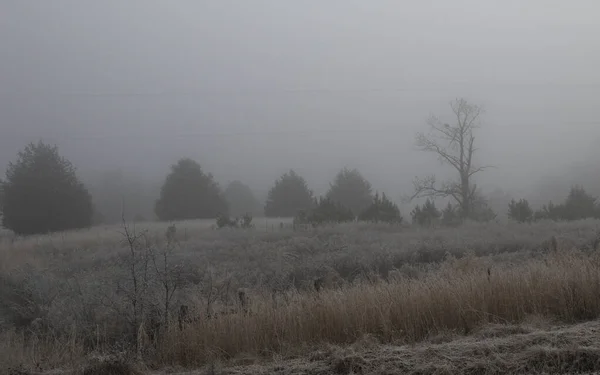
x=455, y=146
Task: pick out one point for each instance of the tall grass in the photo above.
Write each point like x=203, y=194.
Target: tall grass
x=81, y=270
x=459, y=297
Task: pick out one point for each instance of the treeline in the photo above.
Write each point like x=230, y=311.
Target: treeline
x=578, y=205
x=42, y=193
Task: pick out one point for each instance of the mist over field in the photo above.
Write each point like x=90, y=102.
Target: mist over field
x=252, y=89
x=341, y=186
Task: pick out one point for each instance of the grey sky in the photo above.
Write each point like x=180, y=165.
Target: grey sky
x=253, y=88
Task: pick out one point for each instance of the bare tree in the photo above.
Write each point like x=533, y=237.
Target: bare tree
x=455, y=146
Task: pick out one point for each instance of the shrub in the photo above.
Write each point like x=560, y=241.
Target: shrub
x=42, y=193
x=223, y=221
x=189, y=193
x=246, y=221
x=520, y=211
x=381, y=209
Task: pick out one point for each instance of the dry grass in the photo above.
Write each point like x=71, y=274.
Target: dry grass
x=65, y=287
x=457, y=298
x=513, y=349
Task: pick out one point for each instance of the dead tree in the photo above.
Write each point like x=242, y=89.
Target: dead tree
x=455, y=146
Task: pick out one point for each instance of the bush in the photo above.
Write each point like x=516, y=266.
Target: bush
x=381, y=209
x=288, y=196
x=520, y=211
x=245, y=222
x=189, y=193
x=426, y=215
x=42, y=193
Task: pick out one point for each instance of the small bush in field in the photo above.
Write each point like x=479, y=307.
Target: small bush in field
x=224, y=221
x=246, y=222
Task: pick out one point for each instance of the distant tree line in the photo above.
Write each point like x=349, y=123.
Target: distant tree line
x=578, y=205
x=42, y=193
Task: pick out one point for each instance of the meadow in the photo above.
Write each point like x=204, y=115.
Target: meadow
x=351, y=298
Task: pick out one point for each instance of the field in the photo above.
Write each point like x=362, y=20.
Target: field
x=352, y=298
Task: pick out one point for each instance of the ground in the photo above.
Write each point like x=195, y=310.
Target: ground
x=479, y=299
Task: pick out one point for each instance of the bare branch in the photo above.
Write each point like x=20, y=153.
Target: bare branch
x=427, y=188
x=455, y=145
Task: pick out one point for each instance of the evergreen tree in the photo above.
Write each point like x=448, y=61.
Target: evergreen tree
x=381, y=209
x=189, y=193
x=426, y=215
x=579, y=205
x=241, y=199
x=351, y=190
x=520, y=211
x=42, y=193
x=328, y=211
x=288, y=196
x=450, y=216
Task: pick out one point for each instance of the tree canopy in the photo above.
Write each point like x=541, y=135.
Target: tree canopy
x=42, y=193
x=425, y=215
x=520, y=211
x=381, y=209
x=351, y=190
x=288, y=196
x=189, y=193
x=241, y=199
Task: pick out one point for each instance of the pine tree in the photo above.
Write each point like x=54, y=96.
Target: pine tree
x=189, y=193
x=42, y=193
x=288, y=196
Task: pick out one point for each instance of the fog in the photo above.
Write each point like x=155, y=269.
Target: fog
x=251, y=89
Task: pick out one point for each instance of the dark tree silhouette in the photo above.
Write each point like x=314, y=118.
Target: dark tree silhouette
x=189, y=193
x=328, y=211
x=579, y=205
x=426, y=215
x=450, y=216
x=381, y=209
x=1, y=197
x=520, y=211
x=241, y=199
x=351, y=190
x=42, y=193
x=454, y=145
x=288, y=196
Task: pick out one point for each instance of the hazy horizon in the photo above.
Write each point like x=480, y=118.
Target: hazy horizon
x=253, y=89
